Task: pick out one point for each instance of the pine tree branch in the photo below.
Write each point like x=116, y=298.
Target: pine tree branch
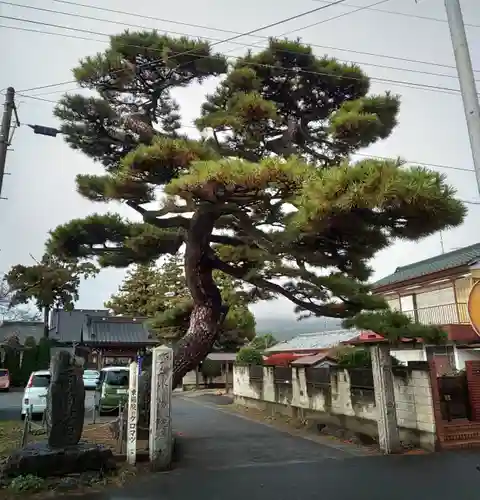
x=318, y=310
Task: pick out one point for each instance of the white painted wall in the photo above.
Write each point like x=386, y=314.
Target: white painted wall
x=463, y=355
x=406, y=355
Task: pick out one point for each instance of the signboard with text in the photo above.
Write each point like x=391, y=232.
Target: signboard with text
x=132, y=414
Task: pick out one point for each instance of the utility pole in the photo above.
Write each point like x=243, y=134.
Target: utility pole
x=8, y=109
x=467, y=79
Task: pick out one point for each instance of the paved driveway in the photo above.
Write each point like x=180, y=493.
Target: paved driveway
x=224, y=456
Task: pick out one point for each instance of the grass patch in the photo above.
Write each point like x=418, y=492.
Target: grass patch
x=10, y=437
x=34, y=487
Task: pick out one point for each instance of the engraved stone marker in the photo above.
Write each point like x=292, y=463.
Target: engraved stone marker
x=161, y=440
x=65, y=401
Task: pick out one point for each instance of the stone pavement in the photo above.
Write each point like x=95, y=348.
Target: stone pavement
x=226, y=457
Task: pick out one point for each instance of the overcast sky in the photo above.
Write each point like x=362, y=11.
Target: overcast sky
x=41, y=192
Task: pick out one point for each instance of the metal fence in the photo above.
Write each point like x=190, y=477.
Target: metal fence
x=454, y=397
x=282, y=375
x=361, y=384
x=255, y=373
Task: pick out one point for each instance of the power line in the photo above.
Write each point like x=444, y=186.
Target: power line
x=261, y=28
x=384, y=11
x=120, y=23
x=130, y=25
x=420, y=163
x=360, y=63
x=421, y=86
x=142, y=16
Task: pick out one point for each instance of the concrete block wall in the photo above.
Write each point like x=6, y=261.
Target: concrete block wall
x=338, y=404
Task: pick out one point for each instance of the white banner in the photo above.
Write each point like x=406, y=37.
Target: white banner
x=132, y=414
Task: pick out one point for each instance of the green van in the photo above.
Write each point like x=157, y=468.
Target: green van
x=112, y=388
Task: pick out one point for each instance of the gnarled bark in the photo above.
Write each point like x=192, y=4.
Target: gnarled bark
x=207, y=310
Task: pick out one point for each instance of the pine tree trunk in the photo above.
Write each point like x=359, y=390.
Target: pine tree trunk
x=207, y=310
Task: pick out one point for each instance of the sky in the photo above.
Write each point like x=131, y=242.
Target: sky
x=40, y=189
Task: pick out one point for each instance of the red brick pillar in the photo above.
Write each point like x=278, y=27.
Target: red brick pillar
x=473, y=380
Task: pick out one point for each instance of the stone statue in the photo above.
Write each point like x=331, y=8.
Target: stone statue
x=65, y=401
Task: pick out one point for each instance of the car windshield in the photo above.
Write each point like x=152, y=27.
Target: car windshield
x=3, y=373
x=90, y=374
x=40, y=381
x=117, y=378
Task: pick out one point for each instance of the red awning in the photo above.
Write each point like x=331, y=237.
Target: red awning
x=282, y=358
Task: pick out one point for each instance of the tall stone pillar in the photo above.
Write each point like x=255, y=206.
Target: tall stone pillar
x=161, y=439
x=388, y=435
x=132, y=414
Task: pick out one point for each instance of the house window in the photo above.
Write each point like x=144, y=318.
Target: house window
x=444, y=296
x=394, y=304
x=437, y=307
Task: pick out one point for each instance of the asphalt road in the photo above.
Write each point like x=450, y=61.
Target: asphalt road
x=225, y=456
x=11, y=404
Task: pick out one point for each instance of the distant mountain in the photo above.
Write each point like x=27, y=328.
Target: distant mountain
x=287, y=328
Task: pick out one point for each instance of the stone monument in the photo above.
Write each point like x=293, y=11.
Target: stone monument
x=65, y=401
x=62, y=453
x=161, y=439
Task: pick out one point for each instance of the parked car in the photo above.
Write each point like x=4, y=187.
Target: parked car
x=35, y=395
x=4, y=380
x=90, y=379
x=112, y=388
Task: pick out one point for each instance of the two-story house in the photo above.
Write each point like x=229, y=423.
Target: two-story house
x=436, y=291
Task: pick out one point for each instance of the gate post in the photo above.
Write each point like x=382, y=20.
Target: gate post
x=132, y=414
x=388, y=435
x=161, y=440
x=473, y=381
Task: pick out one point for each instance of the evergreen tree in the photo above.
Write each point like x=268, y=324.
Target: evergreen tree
x=139, y=294
x=48, y=283
x=276, y=200
x=29, y=359
x=161, y=294
x=263, y=342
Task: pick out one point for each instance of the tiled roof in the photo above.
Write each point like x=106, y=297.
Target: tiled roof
x=313, y=359
x=314, y=341
x=450, y=260
x=66, y=326
x=116, y=330
x=22, y=329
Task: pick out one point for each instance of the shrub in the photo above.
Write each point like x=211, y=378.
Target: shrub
x=211, y=369
x=26, y=483
x=249, y=356
x=357, y=357
x=43, y=354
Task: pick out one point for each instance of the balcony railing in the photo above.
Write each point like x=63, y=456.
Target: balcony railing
x=446, y=314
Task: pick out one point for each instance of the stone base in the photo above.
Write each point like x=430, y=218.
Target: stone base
x=42, y=461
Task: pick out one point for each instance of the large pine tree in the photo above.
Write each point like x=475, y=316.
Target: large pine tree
x=276, y=200
x=160, y=293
